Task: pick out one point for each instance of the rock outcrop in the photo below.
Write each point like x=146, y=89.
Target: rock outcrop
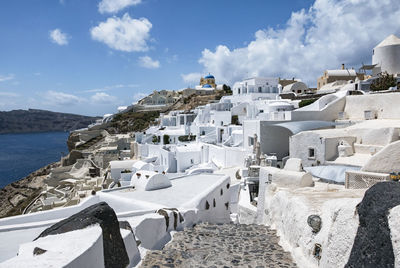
x=16, y=196
x=373, y=245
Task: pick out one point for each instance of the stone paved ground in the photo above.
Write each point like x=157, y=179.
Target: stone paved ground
x=227, y=245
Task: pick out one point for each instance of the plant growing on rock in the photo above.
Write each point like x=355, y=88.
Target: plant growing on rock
x=384, y=82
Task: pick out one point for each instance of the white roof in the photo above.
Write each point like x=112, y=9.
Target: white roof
x=139, y=165
x=346, y=72
x=183, y=192
x=172, y=131
x=280, y=103
x=295, y=86
x=188, y=148
x=109, y=148
x=122, y=164
x=237, y=132
x=391, y=40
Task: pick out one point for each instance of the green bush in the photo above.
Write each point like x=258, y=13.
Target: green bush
x=187, y=138
x=166, y=139
x=384, y=82
x=306, y=102
x=235, y=120
x=155, y=139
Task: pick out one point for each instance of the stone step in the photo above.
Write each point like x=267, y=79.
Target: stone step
x=226, y=245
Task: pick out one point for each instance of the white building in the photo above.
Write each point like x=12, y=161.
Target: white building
x=386, y=56
x=297, y=88
x=256, y=88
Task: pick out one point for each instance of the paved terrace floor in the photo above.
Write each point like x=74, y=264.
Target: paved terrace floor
x=227, y=245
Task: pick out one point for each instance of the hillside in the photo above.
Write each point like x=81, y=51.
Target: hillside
x=139, y=118
x=32, y=120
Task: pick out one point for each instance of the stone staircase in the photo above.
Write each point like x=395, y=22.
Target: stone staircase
x=226, y=245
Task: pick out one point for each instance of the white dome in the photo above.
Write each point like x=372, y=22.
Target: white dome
x=150, y=180
x=295, y=87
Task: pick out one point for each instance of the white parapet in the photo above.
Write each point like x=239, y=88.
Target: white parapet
x=287, y=178
x=62, y=250
x=287, y=210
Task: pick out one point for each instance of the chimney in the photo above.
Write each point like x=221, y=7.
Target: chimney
x=342, y=66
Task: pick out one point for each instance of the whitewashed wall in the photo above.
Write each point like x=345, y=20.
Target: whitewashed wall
x=385, y=105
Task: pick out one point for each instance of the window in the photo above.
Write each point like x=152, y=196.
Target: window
x=259, y=90
x=251, y=141
x=238, y=90
x=311, y=153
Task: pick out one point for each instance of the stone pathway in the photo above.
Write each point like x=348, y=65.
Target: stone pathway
x=227, y=245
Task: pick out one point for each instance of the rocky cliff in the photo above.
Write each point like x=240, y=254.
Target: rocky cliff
x=32, y=120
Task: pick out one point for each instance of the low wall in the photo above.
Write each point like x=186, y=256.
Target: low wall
x=131, y=247
x=385, y=105
x=19, y=222
x=226, y=157
x=288, y=211
x=63, y=250
x=393, y=220
x=330, y=112
x=213, y=204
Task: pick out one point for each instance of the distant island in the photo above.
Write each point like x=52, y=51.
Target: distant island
x=33, y=120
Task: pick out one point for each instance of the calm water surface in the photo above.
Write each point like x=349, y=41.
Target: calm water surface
x=21, y=154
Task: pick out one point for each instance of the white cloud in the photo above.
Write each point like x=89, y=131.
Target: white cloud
x=113, y=6
x=106, y=88
x=191, y=77
x=322, y=37
x=103, y=98
x=9, y=94
x=58, y=37
x=125, y=34
x=149, y=63
x=6, y=77
x=60, y=98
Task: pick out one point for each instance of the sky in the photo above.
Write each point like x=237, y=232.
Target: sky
x=89, y=57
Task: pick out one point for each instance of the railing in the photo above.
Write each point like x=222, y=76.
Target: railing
x=361, y=179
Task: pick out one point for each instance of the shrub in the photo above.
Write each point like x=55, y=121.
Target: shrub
x=306, y=102
x=187, y=138
x=384, y=82
x=235, y=120
x=166, y=139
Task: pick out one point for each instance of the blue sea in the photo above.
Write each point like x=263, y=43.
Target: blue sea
x=21, y=154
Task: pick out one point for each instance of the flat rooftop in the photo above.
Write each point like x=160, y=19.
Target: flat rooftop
x=183, y=190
